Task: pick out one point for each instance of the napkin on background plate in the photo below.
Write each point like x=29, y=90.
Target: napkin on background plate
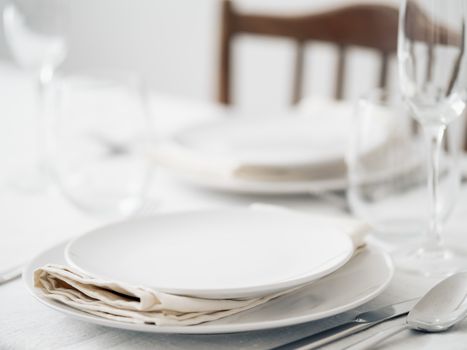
x=292, y=147
x=138, y=304
x=184, y=160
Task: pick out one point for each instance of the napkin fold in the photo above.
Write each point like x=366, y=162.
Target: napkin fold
x=139, y=304
x=174, y=156
x=134, y=304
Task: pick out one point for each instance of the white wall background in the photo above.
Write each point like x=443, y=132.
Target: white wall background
x=173, y=43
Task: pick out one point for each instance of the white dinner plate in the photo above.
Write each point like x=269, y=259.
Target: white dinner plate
x=295, y=153
x=220, y=253
x=363, y=278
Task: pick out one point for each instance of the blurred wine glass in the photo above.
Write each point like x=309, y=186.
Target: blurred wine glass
x=387, y=168
x=35, y=32
x=433, y=80
x=99, y=142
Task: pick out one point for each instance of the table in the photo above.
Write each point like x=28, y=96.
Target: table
x=30, y=224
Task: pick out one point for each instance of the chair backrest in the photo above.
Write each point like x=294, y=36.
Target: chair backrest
x=367, y=26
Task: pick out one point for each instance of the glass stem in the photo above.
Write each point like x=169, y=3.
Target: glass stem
x=434, y=137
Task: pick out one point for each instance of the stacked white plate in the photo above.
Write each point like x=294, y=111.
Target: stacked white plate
x=294, y=153
x=230, y=253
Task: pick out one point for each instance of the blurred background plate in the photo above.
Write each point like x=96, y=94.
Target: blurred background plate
x=298, y=152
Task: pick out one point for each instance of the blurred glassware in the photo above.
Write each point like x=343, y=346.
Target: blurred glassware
x=99, y=141
x=387, y=168
x=35, y=31
x=433, y=80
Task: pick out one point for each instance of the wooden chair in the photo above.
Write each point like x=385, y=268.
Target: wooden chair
x=361, y=25
x=366, y=26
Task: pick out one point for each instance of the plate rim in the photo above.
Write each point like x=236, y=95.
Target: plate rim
x=250, y=291
x=205, y=328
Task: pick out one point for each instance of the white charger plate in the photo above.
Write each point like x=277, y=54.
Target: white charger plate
x=220, y=253
x=363, y=278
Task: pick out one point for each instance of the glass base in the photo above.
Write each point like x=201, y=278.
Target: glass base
x=431, y=261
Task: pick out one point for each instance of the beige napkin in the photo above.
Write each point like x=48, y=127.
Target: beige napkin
x=174, y=156
x=134, y=304
x=139, y=304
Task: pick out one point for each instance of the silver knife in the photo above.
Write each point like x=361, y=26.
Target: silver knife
x=361, y=322
x=10, y=274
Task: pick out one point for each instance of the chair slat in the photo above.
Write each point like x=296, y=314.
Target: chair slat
x=299, y=70
x=340, y=72
x=383, y=73
x=224, y=74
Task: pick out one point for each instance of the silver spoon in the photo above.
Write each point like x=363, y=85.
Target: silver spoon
x=439, y=309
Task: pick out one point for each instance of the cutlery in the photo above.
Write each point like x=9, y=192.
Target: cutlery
x=442, y=307
x=359, y=323
x=10, y=274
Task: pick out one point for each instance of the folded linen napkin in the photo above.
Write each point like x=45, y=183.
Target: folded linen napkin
x=186, y=161
x=174, y=156
x=138, y=304
x=134, y=304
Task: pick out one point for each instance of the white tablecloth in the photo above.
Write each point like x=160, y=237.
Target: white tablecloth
x=29, y=224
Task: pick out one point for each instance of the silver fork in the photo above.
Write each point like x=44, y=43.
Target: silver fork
x=11, y=274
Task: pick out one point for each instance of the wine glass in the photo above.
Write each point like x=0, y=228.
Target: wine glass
x=99, y=142
x=387, y=174
x=433, y=80
x=35, y=31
